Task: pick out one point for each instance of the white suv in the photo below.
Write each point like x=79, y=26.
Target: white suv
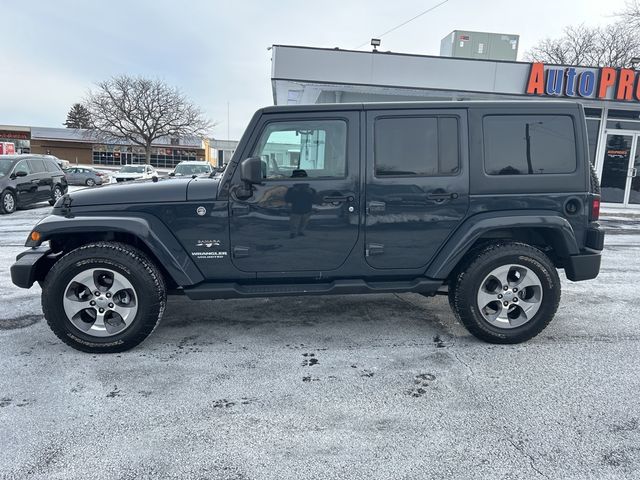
x=135, y=172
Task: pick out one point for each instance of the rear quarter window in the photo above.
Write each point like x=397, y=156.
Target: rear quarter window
x=52, y=166
x=529, y=144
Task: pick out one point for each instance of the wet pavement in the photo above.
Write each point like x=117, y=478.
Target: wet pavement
x=380, y=386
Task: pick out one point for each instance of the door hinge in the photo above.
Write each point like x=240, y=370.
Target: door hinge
x=240, y=252
x=374, y=249
x=239, y=209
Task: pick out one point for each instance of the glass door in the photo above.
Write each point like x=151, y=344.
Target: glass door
x=634, y=180
x=617, y=171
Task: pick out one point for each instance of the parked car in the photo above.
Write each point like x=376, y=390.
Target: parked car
x=191, y=168
x=26, y=179
x=86, y=176
x=441, y=198
x=135, y=172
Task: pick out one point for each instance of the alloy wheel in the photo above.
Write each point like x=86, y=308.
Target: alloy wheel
x=100, y=302
x=509, y=296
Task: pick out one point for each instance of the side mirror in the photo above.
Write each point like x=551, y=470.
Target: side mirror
x=20, y=173
x=172, y=174
x=251, y=170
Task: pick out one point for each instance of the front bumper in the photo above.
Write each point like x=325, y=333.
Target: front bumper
x=31, y=265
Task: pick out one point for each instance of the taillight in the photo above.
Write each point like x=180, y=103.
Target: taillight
x=595, y=208
x=99, y=174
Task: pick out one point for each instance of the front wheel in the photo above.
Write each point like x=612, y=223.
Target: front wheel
x=8, y=202
x=103, y=297
x=506, y=293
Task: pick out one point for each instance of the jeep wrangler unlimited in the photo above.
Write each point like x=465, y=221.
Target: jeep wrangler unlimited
x=482, y=201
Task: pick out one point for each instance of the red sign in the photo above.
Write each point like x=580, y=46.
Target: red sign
x=8, y=135
x=7, y=148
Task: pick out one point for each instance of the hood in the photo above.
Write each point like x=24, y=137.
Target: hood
x=138, y=192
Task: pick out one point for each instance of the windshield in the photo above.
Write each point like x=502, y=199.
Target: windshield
x=192, y=169
x=5, y=166
x=132, y=169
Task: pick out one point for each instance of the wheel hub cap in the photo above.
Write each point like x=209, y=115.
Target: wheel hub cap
x=100, y=302
x=509, y=296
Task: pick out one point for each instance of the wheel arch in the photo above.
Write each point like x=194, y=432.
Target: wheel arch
x=546, y=230
x=149, y=235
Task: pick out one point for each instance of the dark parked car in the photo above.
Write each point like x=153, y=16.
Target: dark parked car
x=86, y=176
x=25, y=180
x=480, y=201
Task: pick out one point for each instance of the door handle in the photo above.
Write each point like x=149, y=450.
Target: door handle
x=634, y=172
x=376, y=207
x=440, y=197
x=338, y=198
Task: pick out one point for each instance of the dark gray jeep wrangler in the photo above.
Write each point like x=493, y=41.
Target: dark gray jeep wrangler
x=482, y=201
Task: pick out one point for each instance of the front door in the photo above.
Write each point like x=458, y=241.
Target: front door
x=27, y=185
x=619, y=179
x=305, y=215
x=417, y=190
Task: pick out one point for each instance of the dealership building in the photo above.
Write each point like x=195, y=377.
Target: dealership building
x=611, y=97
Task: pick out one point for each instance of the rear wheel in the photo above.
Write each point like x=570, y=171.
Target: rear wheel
x=8, y=202
x=103, y=297
x=506, y=293
x=90, y=182
x=55, y=195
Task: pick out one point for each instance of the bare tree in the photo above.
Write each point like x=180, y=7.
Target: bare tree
x=613, y=45
x=142, y=111
x=631, y=13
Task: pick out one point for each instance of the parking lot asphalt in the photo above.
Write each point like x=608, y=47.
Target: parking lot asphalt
x=380, y=386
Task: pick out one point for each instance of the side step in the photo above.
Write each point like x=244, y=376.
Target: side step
x=208, y=291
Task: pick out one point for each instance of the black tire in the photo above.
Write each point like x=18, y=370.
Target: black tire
x=55, y=194
x=8, y=202
x=90, y=182
x=127, y=261
x=467, y=281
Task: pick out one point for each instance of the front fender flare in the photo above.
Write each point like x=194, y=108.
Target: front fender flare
x=475, y=227
x=147, y=228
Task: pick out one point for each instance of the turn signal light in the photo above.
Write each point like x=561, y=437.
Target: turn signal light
x=595, y=208
x=35, y=236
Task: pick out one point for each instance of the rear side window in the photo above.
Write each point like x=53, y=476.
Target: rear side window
x=52, y=166
x=37, y=165
x=529, y=144
x=416, y=146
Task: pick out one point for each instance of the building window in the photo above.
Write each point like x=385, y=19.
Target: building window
x=529, y=144
x=416, y=146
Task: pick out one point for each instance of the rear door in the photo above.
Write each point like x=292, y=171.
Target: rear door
x=42, y=178
x=417, y=184
x=304, y=216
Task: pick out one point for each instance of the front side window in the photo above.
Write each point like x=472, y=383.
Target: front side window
x=416, y=146
x=22, y=166
x=312, y=149
x=529, y=144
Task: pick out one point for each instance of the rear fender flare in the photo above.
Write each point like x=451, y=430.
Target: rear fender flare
x=475, y=227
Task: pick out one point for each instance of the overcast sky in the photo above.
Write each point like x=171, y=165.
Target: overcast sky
x=216, y=51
